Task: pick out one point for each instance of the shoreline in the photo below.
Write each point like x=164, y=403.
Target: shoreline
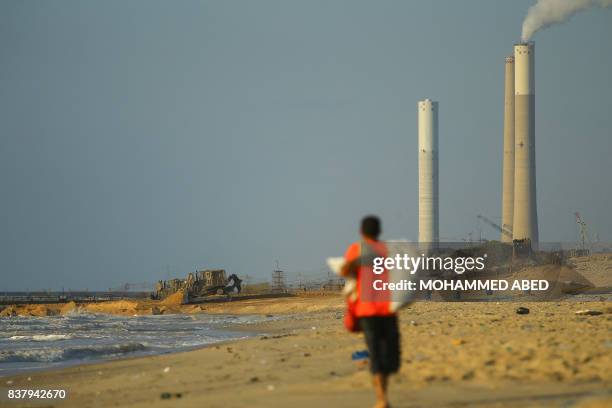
x=238, y=329
x=233, y=324
x=459, y=353
x=171, y=305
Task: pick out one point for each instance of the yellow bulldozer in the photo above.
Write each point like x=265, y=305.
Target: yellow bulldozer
x=199, y=284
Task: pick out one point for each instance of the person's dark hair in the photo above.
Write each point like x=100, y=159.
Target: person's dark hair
x=370, y=226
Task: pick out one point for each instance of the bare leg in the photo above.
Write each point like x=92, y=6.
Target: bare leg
x=380, y=387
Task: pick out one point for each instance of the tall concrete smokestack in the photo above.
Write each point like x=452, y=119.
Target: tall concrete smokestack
x=525, y=222
x=508, y=169
x=428, y=171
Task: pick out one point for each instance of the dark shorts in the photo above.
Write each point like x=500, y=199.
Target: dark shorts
x=382, y=337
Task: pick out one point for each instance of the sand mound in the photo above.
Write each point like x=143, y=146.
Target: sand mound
x=597, y=268
x=68, y=307
x=174, y=299
x=40, y=310
x=8, y=311
x=562, y=279
x=121, y=307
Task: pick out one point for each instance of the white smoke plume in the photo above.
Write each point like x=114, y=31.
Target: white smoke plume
x=548, y=12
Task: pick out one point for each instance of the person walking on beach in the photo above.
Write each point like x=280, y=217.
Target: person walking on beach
x=372, y=310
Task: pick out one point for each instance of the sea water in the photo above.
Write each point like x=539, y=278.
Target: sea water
x=38, y=343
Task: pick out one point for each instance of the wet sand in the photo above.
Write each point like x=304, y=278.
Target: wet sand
x=454, y=354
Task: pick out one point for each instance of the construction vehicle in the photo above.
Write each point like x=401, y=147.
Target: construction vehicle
x=521, y=248
x=199, y=284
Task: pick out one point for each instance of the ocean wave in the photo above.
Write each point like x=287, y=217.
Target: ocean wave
x=52, y=355
x=42, y=337
x=32, y=343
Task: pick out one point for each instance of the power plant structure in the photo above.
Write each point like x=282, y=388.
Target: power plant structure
x=519, y=203
x=508, y=159
x=525, y=214
x=428, y=172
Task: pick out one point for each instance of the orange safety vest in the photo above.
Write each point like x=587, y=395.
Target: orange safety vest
x=369, y=302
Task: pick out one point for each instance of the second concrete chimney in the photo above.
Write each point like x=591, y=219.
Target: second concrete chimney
x=508, y=166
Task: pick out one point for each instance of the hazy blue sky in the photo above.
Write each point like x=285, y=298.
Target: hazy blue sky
x=138, y=137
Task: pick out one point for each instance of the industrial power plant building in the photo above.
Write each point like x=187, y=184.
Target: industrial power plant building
x=519, y=203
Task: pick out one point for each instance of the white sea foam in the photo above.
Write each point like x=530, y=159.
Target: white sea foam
x=56, y=354
x=32, y=343
x=43, y=337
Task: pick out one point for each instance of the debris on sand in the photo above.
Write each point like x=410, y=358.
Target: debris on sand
x=156, y=310
x=588, y=312
x=522, y=310
x=457, y=342
x=169, y=395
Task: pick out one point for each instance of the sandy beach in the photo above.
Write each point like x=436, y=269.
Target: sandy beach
x=453, y=354
x=200, y=196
